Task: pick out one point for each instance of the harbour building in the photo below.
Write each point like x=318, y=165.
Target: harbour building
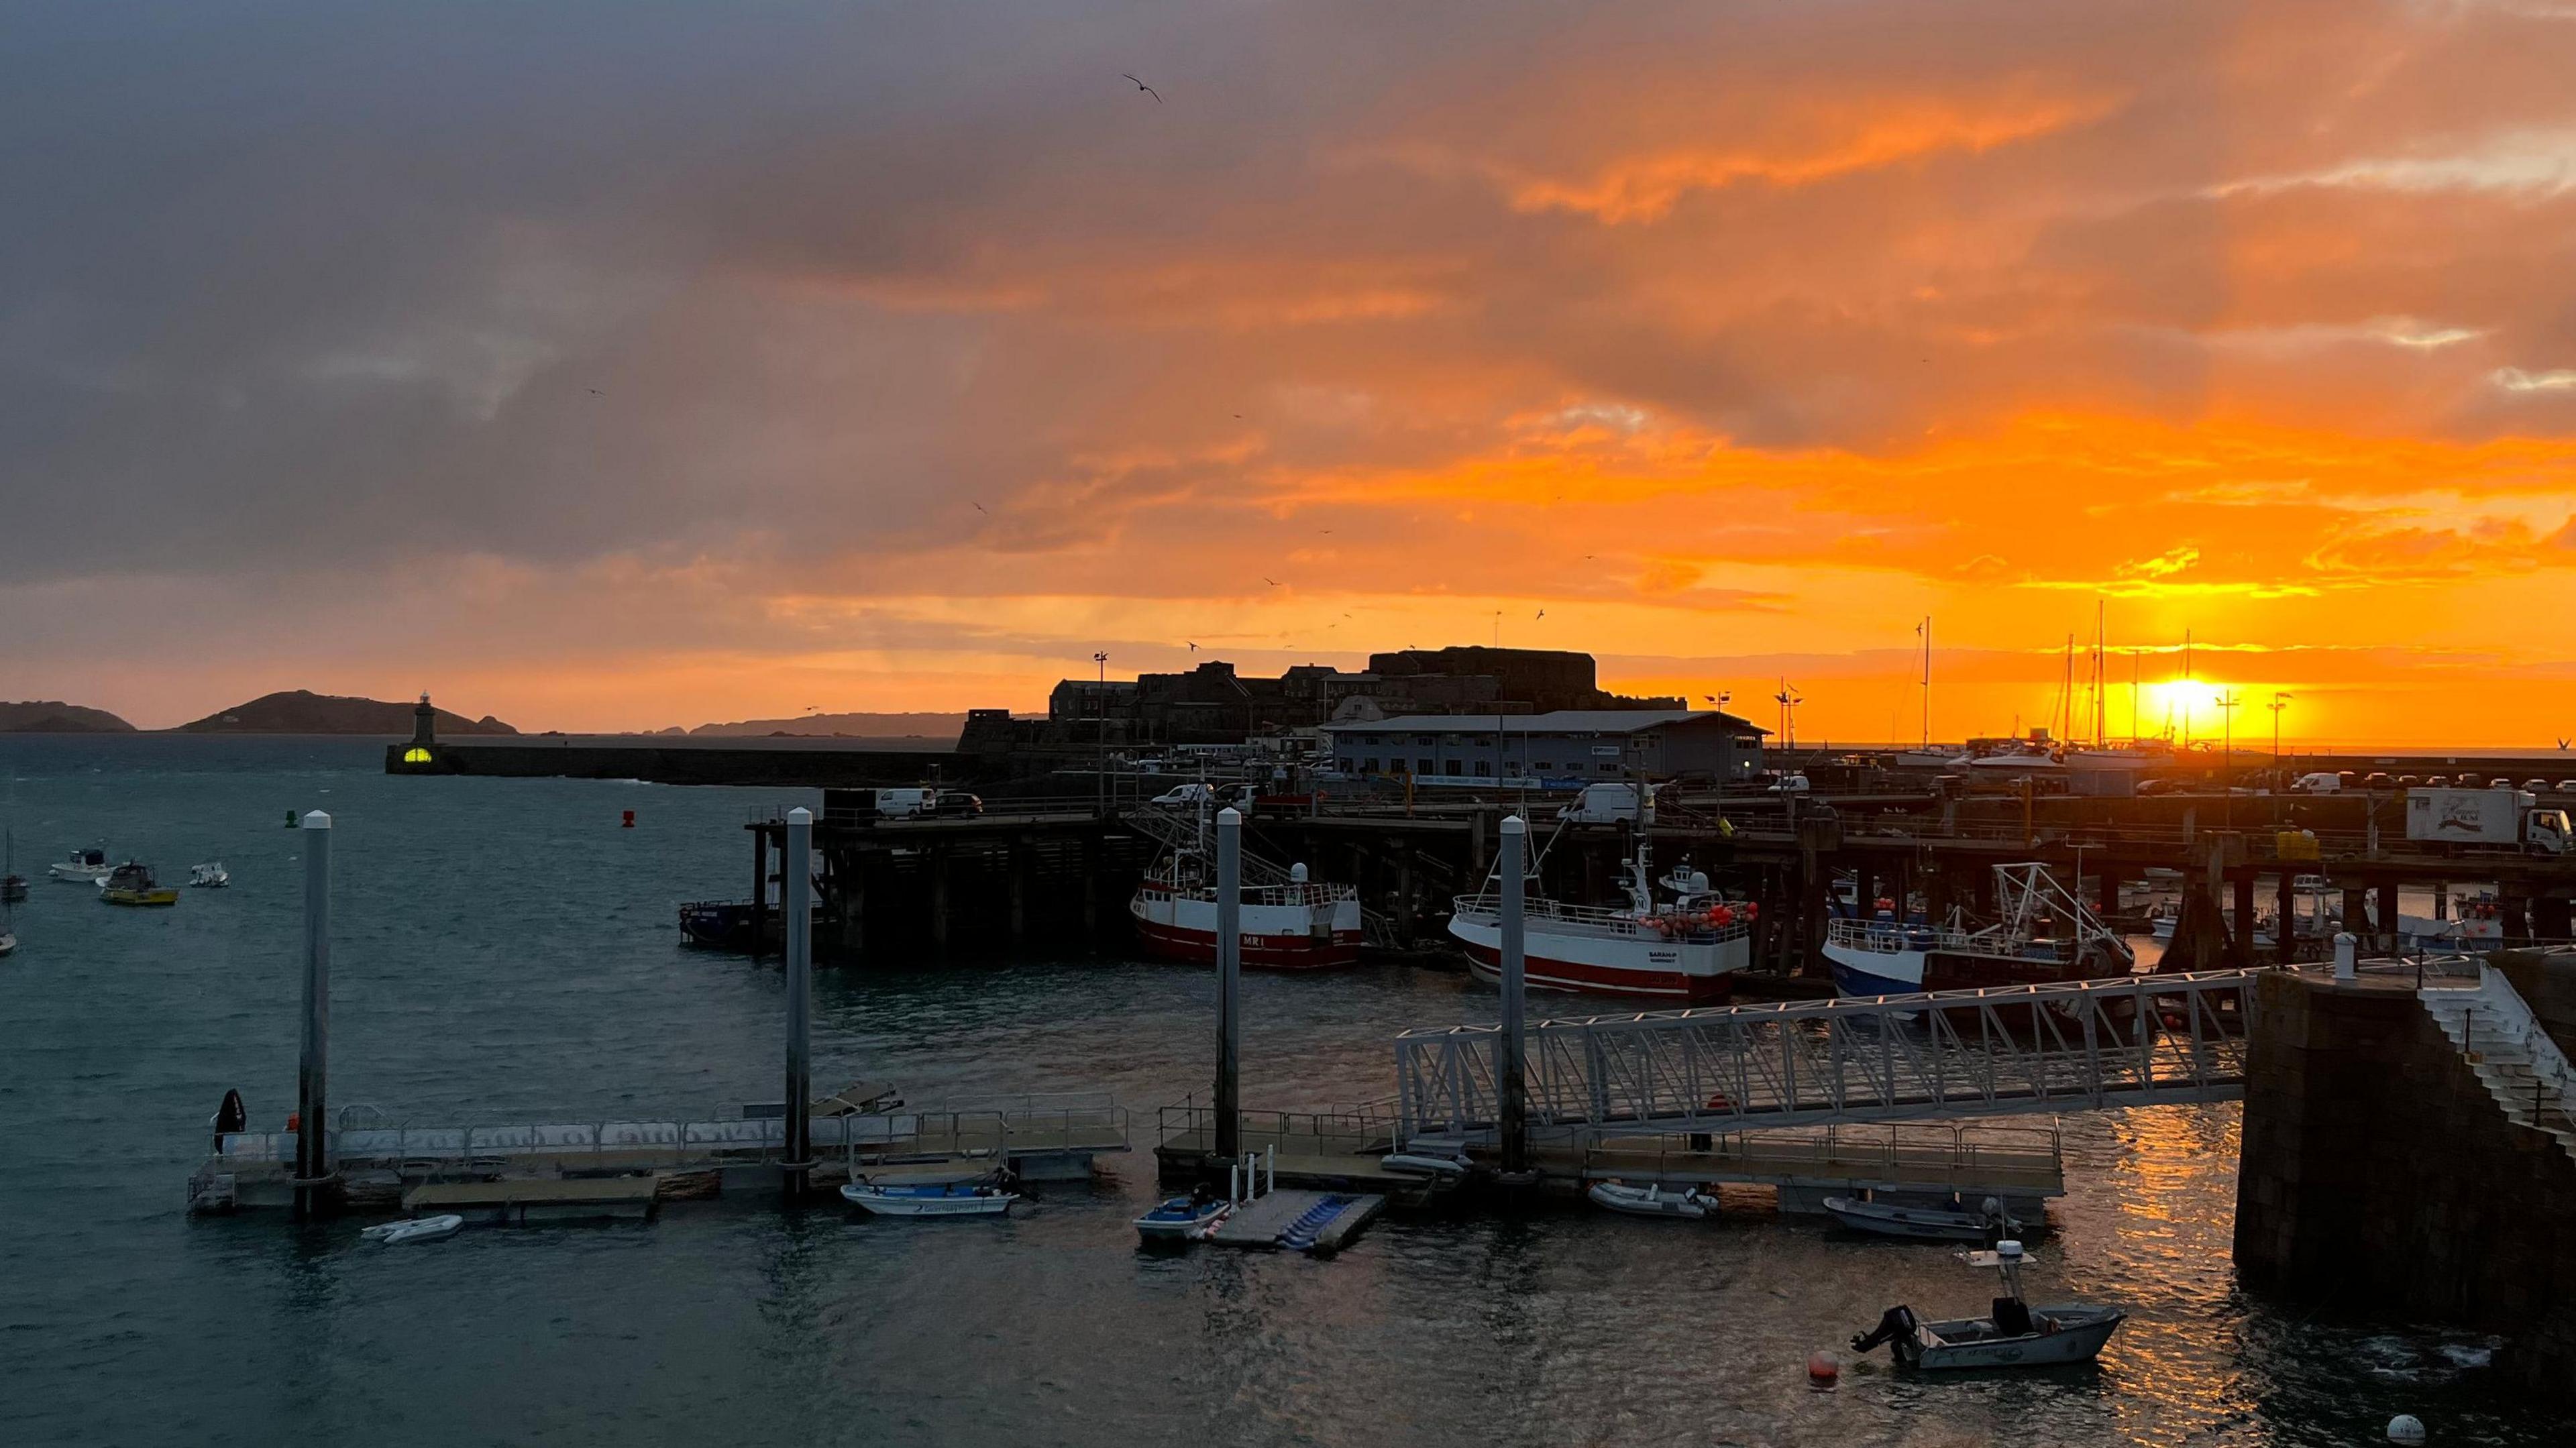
x=1576, y=745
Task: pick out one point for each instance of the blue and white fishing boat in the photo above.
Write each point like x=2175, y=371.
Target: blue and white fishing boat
x=938, y=1199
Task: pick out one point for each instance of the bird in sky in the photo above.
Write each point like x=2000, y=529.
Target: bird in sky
x=1149, y=90
x=1542, y=613
x=1194, y=648
x=978, y=507
x=595, y=392
x=1273, y=582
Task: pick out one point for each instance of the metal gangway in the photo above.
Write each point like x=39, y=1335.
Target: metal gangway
x=2039, y=1049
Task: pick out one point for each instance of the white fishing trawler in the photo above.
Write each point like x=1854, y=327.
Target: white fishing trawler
x=2046, y=935
x=1289, y=922
x=1683, y=950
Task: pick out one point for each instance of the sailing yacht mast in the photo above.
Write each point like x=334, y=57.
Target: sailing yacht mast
x=1925, y=629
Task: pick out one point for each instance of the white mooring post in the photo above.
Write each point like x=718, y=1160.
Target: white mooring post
x=2347, y=951
x=795, y=888
x=1229, y=983
x=1515, y=973
x=313, y=1060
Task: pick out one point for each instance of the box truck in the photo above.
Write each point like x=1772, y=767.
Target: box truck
x=2493, y=819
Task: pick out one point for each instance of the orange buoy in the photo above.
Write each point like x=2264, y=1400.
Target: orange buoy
x=1823, y=1370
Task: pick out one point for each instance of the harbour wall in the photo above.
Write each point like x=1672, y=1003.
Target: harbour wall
x=2379, y=1177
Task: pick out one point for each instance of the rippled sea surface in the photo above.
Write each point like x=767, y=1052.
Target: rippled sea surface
x=504, y=951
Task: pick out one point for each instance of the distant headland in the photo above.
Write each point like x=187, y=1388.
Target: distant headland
x=52, y=716
x=302, y=711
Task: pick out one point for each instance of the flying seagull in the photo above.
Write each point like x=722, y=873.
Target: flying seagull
x=978, y=507
x=1273, y=582
x=595, y=392
x=1149, y=90
x=1542, y=613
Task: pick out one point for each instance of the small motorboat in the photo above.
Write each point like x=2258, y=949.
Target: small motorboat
x=132, y=884
x=85, y=867
x=415, y=1229
x=937, y=1199
x=209, y=876
x=8, y=943
x=2013, y=1335
x=1653, y=1200
x=1182, y=1219
x=1925, y=1224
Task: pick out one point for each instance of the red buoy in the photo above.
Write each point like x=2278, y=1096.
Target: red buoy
x=630, y=819
x=1823, y=1369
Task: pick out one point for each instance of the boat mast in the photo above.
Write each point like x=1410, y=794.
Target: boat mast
x=2101, y=672
x=1925, y=629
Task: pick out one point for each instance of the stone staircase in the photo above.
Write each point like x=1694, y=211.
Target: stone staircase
x=2500, y=1039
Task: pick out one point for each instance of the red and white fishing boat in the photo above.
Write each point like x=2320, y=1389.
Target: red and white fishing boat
x=1289, y=922
x=1682, y=952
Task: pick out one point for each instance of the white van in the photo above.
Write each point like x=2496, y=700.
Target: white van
x=911, y=804
x=2324, y=781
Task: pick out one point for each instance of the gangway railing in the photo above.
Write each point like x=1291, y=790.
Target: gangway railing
x=2038, y=1049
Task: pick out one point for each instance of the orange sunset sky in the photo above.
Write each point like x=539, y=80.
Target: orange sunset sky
x=615, y=366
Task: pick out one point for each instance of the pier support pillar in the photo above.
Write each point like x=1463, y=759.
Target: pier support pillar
x=1018, y=866
x=2107, y=903
x=759, y=888
x=1513, y=1046
x=2285, y=914
x=1404, y=904
x=795, y=907
x=2240, y=942
x=2514, y=911
x=1229, y=983
x=1091, y=891
x=1477, y=859
x=2549, y=917
x=939, y=899
x=2388, y=914
x=854, y=905
x=2356, y=911
x=313, y=1060
x=2441, y=900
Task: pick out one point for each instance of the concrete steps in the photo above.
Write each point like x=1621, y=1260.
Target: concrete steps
x=2518, y=1063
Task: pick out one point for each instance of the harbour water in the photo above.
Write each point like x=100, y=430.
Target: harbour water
x=505, y=951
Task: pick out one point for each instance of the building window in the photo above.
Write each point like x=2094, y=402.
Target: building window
x=1425, y=766
x=1424, y=739
x=1484, y=768
x=1368, y=766
x=1541, y=767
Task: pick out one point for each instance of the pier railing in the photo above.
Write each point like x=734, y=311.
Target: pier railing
x=358, y=1140
x=2030, y=1158
x=2022, y=1050
x=1352, y=1131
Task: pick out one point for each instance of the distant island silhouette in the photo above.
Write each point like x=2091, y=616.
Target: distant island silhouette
x=302, y=711
x=53, y=716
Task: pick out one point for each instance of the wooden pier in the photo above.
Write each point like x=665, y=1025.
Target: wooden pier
x=1059, y=873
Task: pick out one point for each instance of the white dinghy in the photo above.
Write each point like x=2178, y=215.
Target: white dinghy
x=1653, y=1200
x=415, y=1229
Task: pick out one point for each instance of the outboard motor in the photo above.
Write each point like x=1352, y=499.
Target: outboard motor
x=230, y=1117
x=1897, y=1321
